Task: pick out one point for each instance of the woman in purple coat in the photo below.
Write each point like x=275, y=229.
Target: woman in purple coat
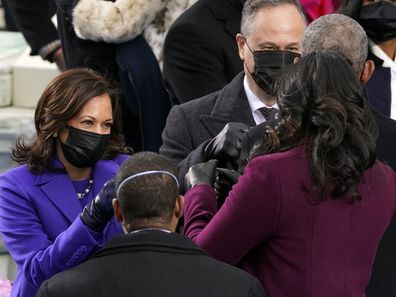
x=306, y=216
x=49, y=219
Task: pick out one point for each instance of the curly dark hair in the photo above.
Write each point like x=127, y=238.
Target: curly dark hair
x=61, y=100
x=323, y=106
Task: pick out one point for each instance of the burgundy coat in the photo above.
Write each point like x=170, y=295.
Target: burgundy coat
x=273, y=228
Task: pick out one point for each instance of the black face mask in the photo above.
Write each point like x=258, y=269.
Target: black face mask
x=83, y=149
x=267, y=66
x=379, y=20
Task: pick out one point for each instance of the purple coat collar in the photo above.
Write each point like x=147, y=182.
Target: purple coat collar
x=58, y=186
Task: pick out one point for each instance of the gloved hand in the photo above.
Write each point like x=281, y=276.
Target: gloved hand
x=225, y=179
x=99, y=211
x=201, y=174
x=227, y=144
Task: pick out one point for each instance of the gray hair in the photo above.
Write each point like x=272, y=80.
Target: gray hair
x=339, y=33
x=252, y=7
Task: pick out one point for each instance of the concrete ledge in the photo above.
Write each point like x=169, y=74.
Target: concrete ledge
x=13, y=123
x=30, y=76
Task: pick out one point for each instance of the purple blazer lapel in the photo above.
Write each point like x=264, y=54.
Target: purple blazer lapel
x=60, y=191
x=103, y=171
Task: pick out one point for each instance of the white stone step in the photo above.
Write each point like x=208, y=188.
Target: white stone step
x=30, y=76
x=13, y=123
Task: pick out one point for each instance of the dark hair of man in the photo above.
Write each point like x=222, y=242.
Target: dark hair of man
x=323, y=106
x=61, y=100
x=148, y=199
x=351, y=8
x=252, y=7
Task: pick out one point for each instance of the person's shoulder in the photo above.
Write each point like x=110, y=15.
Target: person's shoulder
x=193, y=15
x=121, y=158
x=294, y=154
x=199, y=104
x=59, y=284
x=238, y=281
x=18, y=172
x=384, y=122
x=382, y=171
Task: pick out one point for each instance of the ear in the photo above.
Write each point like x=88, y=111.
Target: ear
x=179, y=206
x=296, y=60
x=117, y=211
x=240, y=40
x=368, y=70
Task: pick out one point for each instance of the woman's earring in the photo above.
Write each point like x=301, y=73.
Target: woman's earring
x=55, y=135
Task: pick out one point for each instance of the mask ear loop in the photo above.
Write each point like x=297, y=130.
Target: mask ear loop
x=247, y=44
x=250, y=72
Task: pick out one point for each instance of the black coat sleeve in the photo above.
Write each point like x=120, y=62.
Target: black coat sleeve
x=34, y=22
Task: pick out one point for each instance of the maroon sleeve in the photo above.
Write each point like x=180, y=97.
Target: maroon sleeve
x=248, y=217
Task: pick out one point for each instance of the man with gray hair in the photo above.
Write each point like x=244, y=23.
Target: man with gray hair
x=344, y=35
x=211, y=127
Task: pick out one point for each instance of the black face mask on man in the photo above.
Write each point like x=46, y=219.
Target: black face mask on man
x=379, y=20
x=267, y=67
x=82, y=148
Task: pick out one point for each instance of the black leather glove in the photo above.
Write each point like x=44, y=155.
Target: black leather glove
x=227, y=144
x=99, y=211
x=201, y=174
x=225, y=179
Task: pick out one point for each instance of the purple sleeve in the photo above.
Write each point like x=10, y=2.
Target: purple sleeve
x=248, y=217
x=121, y=158
x=37, y=256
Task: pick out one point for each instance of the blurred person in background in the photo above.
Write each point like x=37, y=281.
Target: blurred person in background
x=378, y=18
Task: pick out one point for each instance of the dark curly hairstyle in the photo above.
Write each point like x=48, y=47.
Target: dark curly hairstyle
x=323, y=106
x=61, y=100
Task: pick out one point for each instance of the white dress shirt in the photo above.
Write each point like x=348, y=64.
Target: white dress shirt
x=388, y=62
x=255, y=103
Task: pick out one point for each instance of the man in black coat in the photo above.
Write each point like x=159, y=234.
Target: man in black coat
x=200, y=53
x=150, y=260
x=271, y=34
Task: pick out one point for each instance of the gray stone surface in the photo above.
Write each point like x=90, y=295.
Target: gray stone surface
x=14, y=122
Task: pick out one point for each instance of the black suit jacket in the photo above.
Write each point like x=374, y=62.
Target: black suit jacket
x=200, y=51
x=151, y=263
x=190, y=126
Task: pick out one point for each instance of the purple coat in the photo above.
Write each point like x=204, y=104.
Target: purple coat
x=271, y=227
x=41, y=226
